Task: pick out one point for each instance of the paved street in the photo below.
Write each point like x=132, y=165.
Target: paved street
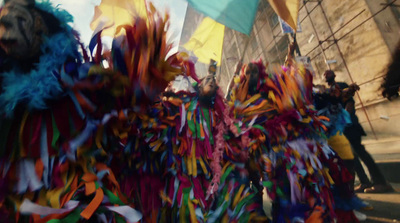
x=386, y=206
x=387, y=155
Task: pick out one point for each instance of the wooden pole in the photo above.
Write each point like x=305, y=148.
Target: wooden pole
x=232, y=79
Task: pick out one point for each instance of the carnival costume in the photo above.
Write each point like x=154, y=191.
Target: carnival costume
x=167, y=150
x=181, y=161
x=50, y=114
x=288, y=142
x=81, y=142
x=200, y=179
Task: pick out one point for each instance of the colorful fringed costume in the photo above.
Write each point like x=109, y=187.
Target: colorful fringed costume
x=178, y=167
x=81, y=142
x=288, y=142
x=140, y=56
x=167, y=153
x=201, y=176
x=48, y=128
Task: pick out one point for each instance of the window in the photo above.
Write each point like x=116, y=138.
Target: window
x=260, y=22
x=273, y=54
x=262, y=5
x=283, y=44
x=265, y=36
x=273, y=20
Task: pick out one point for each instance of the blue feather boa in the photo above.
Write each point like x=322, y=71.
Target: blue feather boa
x=42, y=83
x=63, y=16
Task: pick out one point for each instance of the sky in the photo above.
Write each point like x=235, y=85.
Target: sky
x=83, y=10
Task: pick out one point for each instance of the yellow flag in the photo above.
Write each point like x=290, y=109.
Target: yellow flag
x=206, y=42
x=288, y=10
x=112, y=13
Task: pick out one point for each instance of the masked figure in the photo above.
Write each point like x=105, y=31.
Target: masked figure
x=21, y=29
x=48, y=122
x=287, y=149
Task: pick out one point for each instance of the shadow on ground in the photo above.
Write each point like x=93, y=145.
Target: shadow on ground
x=386, y=207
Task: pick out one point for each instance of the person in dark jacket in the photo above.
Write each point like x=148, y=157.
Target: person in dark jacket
x=354, y=132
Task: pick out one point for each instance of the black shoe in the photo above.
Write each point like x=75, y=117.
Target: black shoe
x=360, y=188
x=380, y=188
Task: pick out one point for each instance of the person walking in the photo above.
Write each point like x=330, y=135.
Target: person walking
x=354, y=132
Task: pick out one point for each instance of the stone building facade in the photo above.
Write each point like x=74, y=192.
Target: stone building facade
x=354, y=38
x=358, y=38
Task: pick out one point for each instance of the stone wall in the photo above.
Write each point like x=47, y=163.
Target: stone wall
x=362, y=46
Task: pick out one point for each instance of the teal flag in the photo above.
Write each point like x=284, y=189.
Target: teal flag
x=235, y=14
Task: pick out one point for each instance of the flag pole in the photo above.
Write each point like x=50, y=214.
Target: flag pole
x=240, y=62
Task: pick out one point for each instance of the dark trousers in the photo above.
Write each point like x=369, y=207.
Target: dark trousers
x=349, y=164
x=360, y=153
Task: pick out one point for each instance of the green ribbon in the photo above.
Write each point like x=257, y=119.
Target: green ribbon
x=242, y=203
x=206, y=113
x=191, y=120
x=71, y=218
x=112, y=197
x=227, y=172
x=279, y=192
x=56, y=132
x=192, y=105
x=259, y=127
x=192, y=126
x=267, y=184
